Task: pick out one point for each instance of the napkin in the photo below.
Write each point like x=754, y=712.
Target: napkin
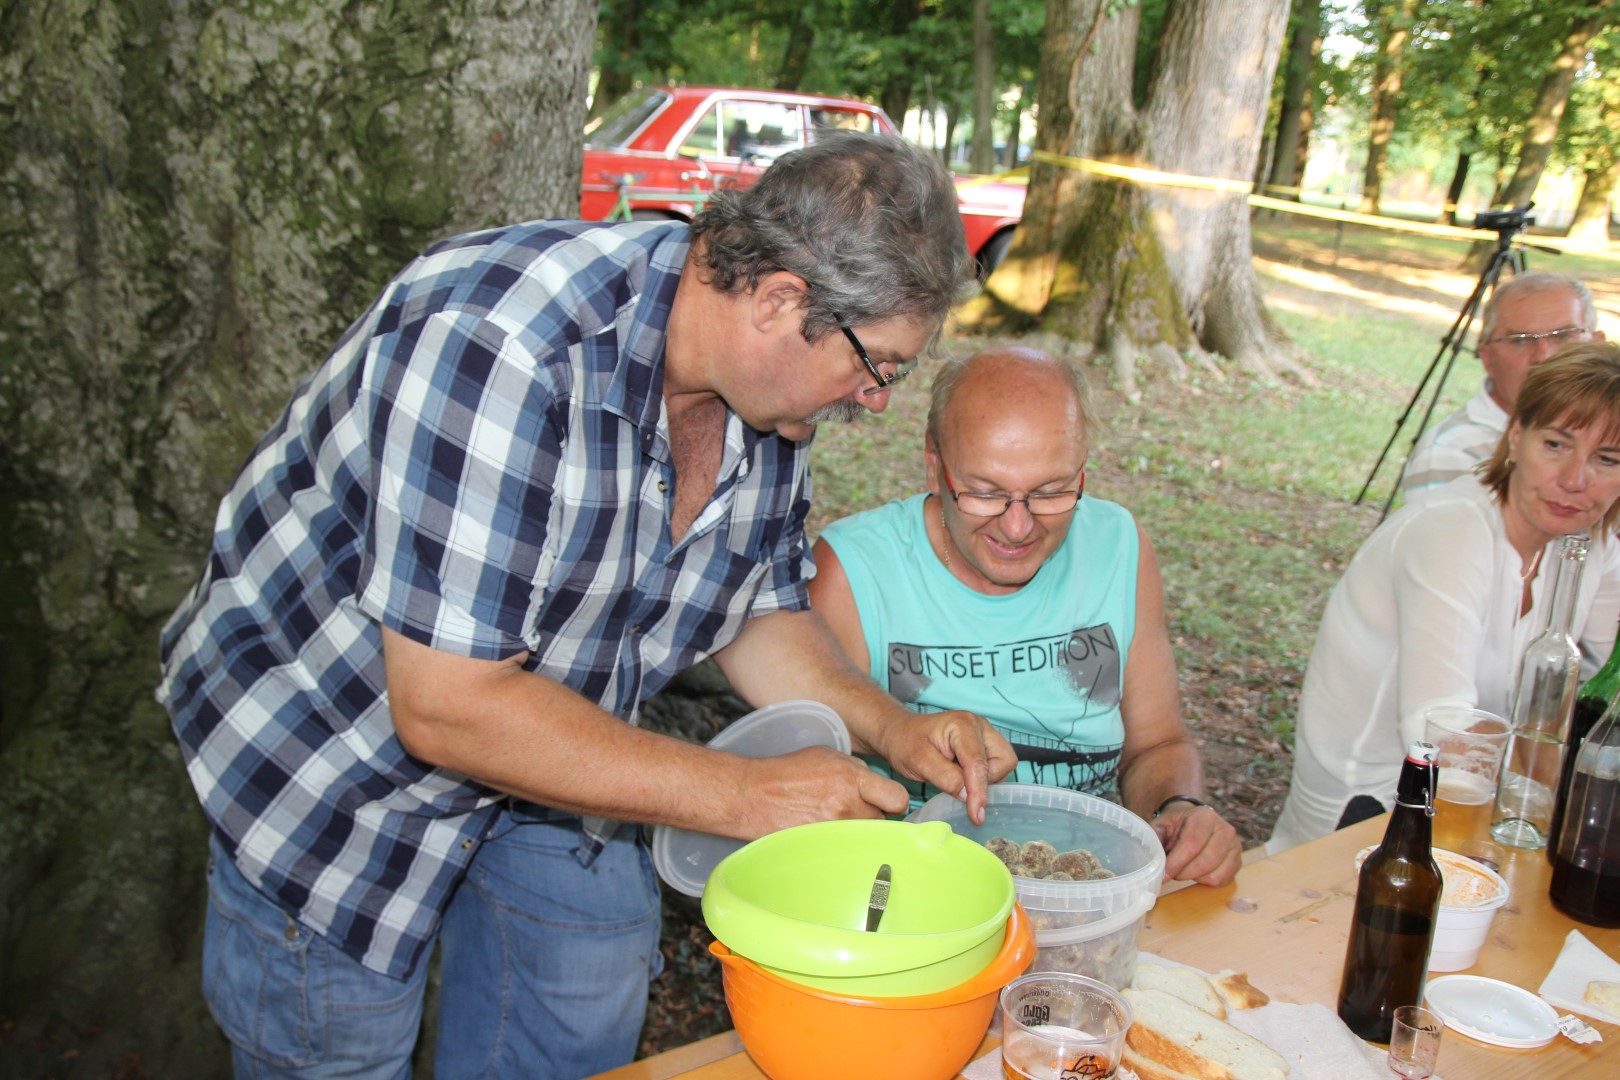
x=1579, y=963
x=1311, y=1038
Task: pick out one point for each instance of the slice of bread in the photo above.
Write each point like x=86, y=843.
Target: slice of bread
x=1605, y=995
x=1186, y=1039
x=1236, y=990
x=1185, y=983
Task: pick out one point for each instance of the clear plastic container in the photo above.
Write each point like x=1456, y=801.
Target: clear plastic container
x=685, y=859
x=1085, y=927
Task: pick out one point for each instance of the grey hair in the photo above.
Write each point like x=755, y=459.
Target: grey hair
x=870, y=222
x=1538, y=281
x=952, y=373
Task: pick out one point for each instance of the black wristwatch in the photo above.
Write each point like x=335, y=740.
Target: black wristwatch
x=1178, y=798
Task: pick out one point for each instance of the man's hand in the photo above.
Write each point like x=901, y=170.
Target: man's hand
x=955, y=751
x=1199, y=844
x=814, y=784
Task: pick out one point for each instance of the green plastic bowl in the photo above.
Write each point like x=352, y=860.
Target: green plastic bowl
x=795, y=903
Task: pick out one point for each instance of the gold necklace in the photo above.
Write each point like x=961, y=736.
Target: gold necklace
x=944, y=536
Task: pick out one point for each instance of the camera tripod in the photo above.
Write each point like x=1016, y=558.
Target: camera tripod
x=1509, y=254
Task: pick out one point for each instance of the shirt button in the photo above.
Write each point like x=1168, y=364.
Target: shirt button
x=636, y=629
x=662, y=486
x=466, y=845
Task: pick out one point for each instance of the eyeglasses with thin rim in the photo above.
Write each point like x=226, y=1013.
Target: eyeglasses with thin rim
x=1520, y=341
x=988, y=505
x=883, y=382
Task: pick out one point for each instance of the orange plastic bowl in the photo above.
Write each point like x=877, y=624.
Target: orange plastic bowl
x=796, y=1032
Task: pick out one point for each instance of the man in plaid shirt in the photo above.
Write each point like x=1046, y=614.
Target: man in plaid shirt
x=554, y=465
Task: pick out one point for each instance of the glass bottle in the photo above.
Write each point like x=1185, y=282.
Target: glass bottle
x=1386, y=960
x=1542, y=703
x=1586, y=849
x=1591, y=702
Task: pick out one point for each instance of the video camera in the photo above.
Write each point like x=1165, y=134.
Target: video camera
x=1505, y=221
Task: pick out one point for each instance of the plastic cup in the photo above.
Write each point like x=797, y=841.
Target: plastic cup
x=1055, y=1025
x=1471, y=743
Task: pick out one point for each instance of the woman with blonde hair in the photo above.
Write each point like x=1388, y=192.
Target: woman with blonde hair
x=1439, y=603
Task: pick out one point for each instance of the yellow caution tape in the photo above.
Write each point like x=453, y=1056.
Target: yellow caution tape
x=1139, y=175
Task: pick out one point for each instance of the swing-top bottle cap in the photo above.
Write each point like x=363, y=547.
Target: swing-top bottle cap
x=1422, y=753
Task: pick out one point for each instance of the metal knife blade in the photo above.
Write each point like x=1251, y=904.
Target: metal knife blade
x=880, y=898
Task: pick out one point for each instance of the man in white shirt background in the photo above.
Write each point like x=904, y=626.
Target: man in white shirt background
x=1527, y=319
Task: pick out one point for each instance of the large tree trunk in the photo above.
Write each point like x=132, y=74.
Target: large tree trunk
x=1104, y=264
x=1216, y=61
x=1541, y=129
x=983, y=157
x=1304, y=48
x=796, y=56
x=1590, y=228
x=198, y=198
x=1387, y=74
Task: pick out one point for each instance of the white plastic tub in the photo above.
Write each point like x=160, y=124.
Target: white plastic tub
x=1085, y=927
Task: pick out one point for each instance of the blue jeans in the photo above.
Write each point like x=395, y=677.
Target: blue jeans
x=544, y=969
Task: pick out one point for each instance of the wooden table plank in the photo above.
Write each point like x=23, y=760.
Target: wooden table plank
x=1284, y=921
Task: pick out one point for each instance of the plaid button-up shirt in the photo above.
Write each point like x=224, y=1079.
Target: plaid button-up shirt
x=483, y=466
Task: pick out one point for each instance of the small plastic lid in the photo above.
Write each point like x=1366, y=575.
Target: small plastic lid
x=684, y=858
x=1493, y=1011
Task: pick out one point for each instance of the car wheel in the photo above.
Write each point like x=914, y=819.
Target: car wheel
x=996, y=250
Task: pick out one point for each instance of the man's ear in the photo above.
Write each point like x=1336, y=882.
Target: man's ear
x=931, y=465
x=778, y=301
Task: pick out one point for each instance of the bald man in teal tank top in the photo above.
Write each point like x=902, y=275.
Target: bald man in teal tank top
x=1007, y=591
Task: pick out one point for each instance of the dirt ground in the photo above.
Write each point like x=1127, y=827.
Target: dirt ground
x=1246, y=771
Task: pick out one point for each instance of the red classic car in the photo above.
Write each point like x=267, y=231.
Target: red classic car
x=659, y=150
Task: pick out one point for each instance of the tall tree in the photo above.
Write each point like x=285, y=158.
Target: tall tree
x=1552, y=93
x=197, y=199
x=1395, y=20
x=1299, y=82
x=983, y=157
x=1117, y=266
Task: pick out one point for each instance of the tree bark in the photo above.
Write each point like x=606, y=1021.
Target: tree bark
x=1590, y=227
x=1387, y=75
x=983, y=157
x=796, y=56
x=1107, y=265
x=1216, y=62
x=1541, y=129
x=1288, y=148
x=198, y=198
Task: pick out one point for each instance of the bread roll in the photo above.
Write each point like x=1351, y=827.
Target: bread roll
x=1185, y=983
x=1236, y=990
x=1185, y=1039
x=1605, y=995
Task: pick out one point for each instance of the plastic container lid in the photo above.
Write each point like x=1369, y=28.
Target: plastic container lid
x=684, y=858
x=1493, y=1011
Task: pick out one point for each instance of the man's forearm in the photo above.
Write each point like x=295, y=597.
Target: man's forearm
x=1171, y=768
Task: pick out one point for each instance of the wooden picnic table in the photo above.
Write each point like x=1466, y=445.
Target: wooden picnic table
x=1284, y=921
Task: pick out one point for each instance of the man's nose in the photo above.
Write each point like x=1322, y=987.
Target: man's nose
x=1016, y=521
x=875, y=403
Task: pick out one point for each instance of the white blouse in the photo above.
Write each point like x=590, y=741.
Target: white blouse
x=1426, y=614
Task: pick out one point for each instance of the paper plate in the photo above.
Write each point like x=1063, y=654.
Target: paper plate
x=1493, y=1011
x=684, y=859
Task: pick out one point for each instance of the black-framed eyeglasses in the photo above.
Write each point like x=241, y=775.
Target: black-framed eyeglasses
x=988, y=504
x=883, y=382
x=1520, y=341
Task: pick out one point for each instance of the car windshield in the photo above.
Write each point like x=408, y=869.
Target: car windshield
x=624, y=118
